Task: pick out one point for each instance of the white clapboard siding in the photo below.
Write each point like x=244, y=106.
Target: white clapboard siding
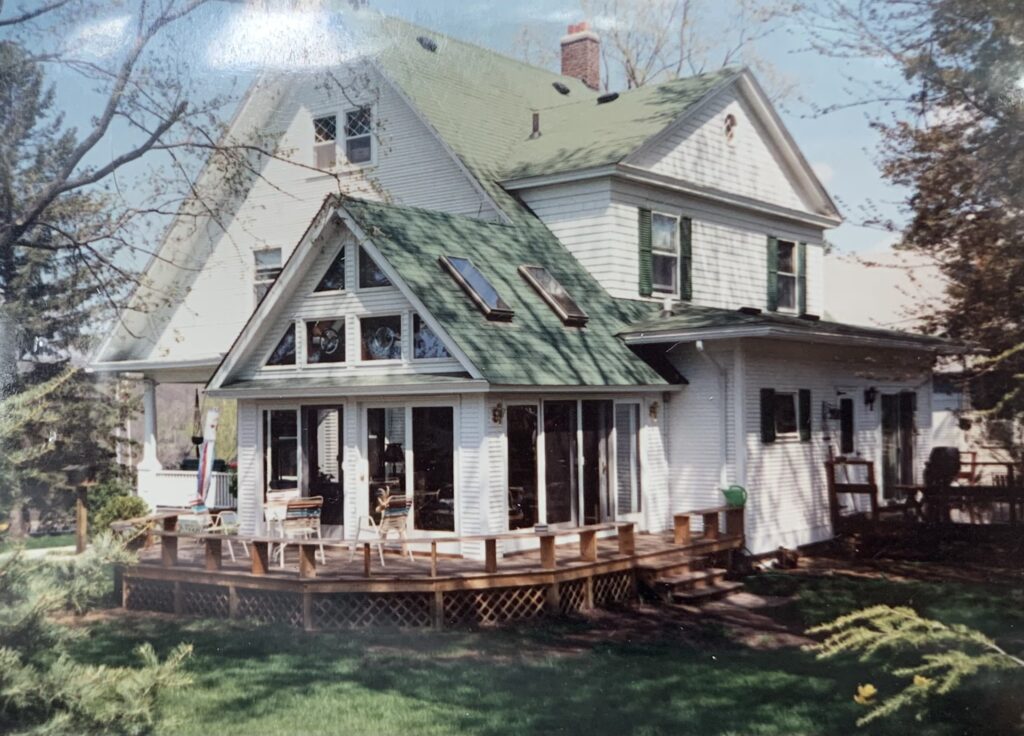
x=249, y=456
x=474, y=508
x=352, y=303
x=697, y=150
x=496, y=480
x=596, y=220
x=209, y=293
x=654, y=465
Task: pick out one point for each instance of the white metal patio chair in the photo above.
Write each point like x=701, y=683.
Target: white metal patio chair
x=229, y=524
x=394, y=510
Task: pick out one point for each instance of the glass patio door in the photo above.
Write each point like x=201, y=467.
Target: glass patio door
x=627, y=462
x=280, y=450
x=598, y=505
x=324, y=444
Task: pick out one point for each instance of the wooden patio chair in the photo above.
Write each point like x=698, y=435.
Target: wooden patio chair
x=394, y=509
x=292, y=517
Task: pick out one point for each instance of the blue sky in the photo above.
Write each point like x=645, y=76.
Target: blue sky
x=840, y=146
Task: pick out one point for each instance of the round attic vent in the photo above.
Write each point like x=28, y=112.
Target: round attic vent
x=730, y=127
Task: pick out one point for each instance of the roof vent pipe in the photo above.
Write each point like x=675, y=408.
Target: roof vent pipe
x=536, y=126
x=667, y=305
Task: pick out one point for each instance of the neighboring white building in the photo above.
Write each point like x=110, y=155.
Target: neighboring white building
x=532, y=303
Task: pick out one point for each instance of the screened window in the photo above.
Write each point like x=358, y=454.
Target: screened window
x=664, y=253
x=267, y=267
x=284, y=353
x=787, y=275
x=325, y=136
x=785, y=414
x=370, y=275
x=359, y=135
x=325, y=341
x=554, y=294
x=381, y=338
x=334, y=278
x=476, y=285
x=425, y=344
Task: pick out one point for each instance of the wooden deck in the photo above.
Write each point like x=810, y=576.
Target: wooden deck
x=192, y=574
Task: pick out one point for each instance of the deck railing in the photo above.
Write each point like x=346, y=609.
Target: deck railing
x=177, y=487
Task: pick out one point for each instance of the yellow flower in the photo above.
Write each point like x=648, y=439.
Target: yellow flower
x=865, y=694
x=922, y=681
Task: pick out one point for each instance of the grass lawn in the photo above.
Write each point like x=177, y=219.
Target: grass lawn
x=45, y=542
x=649, y=671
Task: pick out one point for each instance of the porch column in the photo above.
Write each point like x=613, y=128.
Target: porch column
x=149, y=459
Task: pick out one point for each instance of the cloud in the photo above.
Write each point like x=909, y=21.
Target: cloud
x=283, y=40
x=824, y=172
x=100, y=38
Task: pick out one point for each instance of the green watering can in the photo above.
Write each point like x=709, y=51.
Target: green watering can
x=735, y=496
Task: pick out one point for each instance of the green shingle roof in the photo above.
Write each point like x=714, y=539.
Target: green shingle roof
x=692, y=317
x=534, y=348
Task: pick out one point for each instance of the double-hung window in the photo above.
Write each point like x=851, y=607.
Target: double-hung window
x=664, y=254
x=359, y=135
x=267, y=267
x=787, y=276
x=325, y=136
x=786, y=282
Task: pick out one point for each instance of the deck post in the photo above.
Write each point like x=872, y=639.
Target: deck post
x=212, y=558
x=260, y=558
x=366, y=560
x=588, y=546
x=307, y=604
x=735, y=522
x=874, y=496
x=553, y=597
x=168, y=551
x=490, y=555
x=710, y=525
x=681, y=528
x=433, y=559
x=588, y=591
x=627, y=539
x=547, y=551
x=232, y=602
x=307, y=561
x=438, y=609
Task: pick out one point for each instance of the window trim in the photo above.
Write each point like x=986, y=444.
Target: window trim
x=655, y=291
x=305, y=322
x=344, y=286
x=412, y=345
x=401, y=336
x=360, y=252
x=372, y=161
x=265, y=365
x=794, y=275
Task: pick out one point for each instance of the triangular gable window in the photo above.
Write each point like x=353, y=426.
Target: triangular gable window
x=370, y=274
x=334, y=278
x=284, y=353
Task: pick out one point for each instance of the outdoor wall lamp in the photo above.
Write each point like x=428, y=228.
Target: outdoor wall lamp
x=653, y=410
x=870, y=394
x=498, y=413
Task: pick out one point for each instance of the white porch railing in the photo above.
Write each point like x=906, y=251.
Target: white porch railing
x=177, y=487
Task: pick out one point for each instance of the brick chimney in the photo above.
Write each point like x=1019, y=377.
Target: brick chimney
x=581, y=54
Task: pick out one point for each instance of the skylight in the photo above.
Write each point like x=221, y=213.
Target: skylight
x=555, y=295
x=478, y=287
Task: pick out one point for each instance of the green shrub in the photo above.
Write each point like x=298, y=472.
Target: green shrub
x=116, y=508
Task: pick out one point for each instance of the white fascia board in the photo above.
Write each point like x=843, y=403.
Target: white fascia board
x=438, y=329
x=559, y=177
x=282, y=287
x=781, y=333
x=472, y=386
x=645, y=176
x=143, y=366
x=570, y=390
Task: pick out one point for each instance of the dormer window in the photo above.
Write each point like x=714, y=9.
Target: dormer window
x=325, y=137
x=267, y=267
x=359, y=135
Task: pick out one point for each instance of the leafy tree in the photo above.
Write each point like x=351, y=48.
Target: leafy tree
x=949, y=654
x=953, y=138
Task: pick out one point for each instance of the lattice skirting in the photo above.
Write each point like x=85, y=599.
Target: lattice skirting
x=149, y=595
x=615, y=587
x=270, y=607
x=572, y=596
x=209, y=601
x=494, y=605
x=352, y=610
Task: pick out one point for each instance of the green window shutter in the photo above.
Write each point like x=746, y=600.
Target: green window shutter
x=773, y=274
x=767, y=415
x=801, y=277
x=645, y=253
x=804, y=414
x=685, y=259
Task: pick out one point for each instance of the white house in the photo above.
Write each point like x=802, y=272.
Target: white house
x=528, y=303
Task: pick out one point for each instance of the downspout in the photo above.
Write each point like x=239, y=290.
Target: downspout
x=723, y=412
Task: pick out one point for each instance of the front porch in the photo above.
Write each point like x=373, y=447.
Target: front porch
x=190, y=574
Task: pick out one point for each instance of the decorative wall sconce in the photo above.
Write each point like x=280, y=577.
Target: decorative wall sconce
x=870, y=394
x=652, y=411
x=498, y=413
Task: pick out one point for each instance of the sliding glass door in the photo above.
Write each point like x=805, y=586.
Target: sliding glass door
x=324, y=443
x=561, y=461
x=522, y=435
x=433, y=453
x=280, y=450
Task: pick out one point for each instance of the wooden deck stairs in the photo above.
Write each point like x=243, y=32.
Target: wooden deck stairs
x=695, y=575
